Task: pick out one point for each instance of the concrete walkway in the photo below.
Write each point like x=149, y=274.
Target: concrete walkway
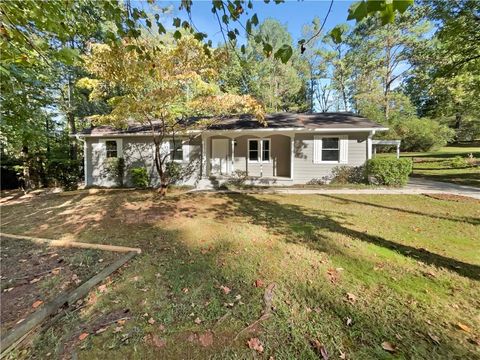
x=415, y=186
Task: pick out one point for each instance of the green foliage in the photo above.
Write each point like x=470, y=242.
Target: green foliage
x=348, y=175
x=422, y=134
x=385, y=9
x=459, y=162
x=389, y=171
x=139, y=177
x=238, y=178
x=173, y=171
x=64, y=172
x=115, y=168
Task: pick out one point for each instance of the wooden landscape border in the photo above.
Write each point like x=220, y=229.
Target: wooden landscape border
x=15, y=336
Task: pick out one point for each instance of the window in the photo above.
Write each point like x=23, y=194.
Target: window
x=266, y=150
x=176, y=150
x=259, y=150
x=111, y=146
x=253, y=150
x=330, y=149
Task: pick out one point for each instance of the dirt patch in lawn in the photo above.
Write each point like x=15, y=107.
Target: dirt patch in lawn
x=452, y=197
x=32, y=275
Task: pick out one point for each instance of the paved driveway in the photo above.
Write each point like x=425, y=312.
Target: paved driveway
x=415, y=186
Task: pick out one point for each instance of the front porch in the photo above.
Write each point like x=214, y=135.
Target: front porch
x=265, y=159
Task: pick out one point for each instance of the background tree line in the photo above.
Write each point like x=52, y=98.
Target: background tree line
x=417, y=71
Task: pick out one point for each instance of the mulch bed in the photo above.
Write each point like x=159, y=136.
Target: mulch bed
x=32, y=274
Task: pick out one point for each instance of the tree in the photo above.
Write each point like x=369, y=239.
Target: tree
x=163, y=88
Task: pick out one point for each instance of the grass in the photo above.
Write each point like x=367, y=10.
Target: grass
x=411, y=263
x=437, y=165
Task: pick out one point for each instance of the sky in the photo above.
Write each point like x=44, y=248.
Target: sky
x=292, y=13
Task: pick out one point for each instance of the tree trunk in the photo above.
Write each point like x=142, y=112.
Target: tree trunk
x=26, y=169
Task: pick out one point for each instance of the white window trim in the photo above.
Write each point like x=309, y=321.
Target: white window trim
x=342, y=142
x=260, y=151
x=119, y=146
x=185, y=149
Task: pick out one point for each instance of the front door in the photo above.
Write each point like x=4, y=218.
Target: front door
x=219, y=156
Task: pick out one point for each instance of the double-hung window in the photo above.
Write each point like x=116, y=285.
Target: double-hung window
x=330, y=149
x=176, y=150
x=111, y=147
x=259, y=150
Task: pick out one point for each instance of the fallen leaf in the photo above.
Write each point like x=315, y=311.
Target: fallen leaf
x=351, y=298
x=185, y=290
x=206, y=339
x=121, y=321
x=151, y=321
x=333, y=275
x=226, y=290
x=154, y=340
x=255, y=344
x=118, y=329
x=35, y=280
x=387, y=346
x=101, y=330
x=82, y=336
x=435, y=338
x=319, y=349
x=161, y=327
x=102, y=288
x=37, y=304
x=259, y=283
x=464, y=327
x=349, y=321
x=56, y=271
x=238, y=297
x=197, y=321
x=342, y=355
x=8, y=289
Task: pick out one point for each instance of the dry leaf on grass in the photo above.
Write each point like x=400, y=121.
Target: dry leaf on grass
x=197, y=321
x=118, y=329
x=151, y=321
x=351, y=298
x=259, y=283
x=255, y=344
x=185, y=290
x=388, y=346
x=37, y=304
x=206, y=339
x=226, y=290
x=319, y=349
x=82, y=336
x=434, y=338
x=154, y=340
x=464, y=327
x=102, y=288
x=349, y=321
x=35, y=280
x=101, y=330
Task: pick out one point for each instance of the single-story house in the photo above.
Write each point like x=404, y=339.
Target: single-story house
x=291, y=149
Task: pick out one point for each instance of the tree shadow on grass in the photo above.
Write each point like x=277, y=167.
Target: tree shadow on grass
x=284, y=219
x=470, y=220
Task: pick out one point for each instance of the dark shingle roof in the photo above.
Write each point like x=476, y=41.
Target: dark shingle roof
x=330, y=120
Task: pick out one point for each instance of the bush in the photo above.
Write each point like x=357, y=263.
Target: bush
x=348, y=175
x=238, y=178
x=458, y=162
x=65, y=172
x=389, y=171
x=422, y=134
x=139, y=177
x=116, y=168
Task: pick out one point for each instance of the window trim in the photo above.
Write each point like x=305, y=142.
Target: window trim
x=318, y=141
x=260, y=142
x=119, y=147
x=182, y=148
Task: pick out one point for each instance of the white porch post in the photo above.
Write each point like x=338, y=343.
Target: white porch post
x=204, y=157
x=232, y=144
x=398, y=151
x=260, y=155
x=369, y=144
x=292, y=154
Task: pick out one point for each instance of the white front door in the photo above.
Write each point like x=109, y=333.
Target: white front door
x=220, y=156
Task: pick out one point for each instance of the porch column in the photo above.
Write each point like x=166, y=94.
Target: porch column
x=204, y=157
x=232, y=144
x=398, y=151
x=369, y=144
x=292, y=154
x=260, y=155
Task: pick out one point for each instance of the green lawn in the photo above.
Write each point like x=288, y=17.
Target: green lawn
x=351, y=273
x=437, y=165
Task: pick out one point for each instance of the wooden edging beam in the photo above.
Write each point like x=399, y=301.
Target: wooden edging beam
x=16, y=335
x=73, y=244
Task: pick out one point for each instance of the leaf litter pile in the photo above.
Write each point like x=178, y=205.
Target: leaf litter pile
x=32, y=275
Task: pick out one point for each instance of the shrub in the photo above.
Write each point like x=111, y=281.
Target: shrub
x=139, y=177
x=115, y=167
x=422, y=134
x=238, y=178
x=389, y=171
x=458, y=162
x=173, y=170
x=348, y=175
x=65, y=172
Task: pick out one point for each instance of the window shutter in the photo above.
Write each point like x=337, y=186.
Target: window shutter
x=317, y=149
x=344, y=149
